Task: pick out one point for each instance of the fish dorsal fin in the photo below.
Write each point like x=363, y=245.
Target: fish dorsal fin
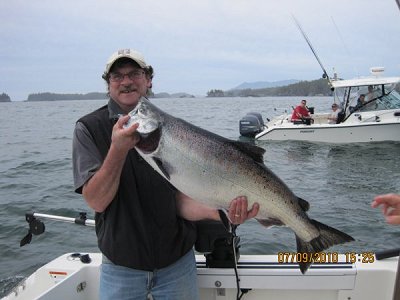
x=303, y=204
x=255, y=152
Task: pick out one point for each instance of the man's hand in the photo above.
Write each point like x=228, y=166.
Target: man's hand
x=124, y=139
x=390, y=206
x=238, y=210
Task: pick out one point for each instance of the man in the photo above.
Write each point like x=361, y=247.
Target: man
x=360, y=102
x=142, y=223
x=301, y=113
x=332, y=118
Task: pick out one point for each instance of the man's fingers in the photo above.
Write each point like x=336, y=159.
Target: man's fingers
x=390, y=199
x=122, y=120
x=394, y=220
x=254, y=210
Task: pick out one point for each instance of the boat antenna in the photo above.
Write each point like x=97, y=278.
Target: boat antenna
x=325, y=74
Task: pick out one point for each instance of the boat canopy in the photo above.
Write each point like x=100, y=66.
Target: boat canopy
x=378, y=91
x=365, y=81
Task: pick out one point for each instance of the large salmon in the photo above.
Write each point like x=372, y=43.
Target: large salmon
x=215, y=170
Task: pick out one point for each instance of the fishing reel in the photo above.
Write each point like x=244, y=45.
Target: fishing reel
x=219, y=246
x=36, y=227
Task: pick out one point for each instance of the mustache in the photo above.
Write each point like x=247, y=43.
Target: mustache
x=127, y=89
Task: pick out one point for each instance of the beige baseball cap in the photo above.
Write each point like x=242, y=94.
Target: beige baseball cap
x=129, y=53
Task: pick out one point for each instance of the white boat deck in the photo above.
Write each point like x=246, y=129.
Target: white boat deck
x=265, y=278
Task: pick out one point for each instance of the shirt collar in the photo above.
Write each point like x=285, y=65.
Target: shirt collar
x=114, y=111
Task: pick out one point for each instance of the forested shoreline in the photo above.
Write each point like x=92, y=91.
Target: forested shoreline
x=319, y=87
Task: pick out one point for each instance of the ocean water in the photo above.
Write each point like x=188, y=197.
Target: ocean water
x=339, y=181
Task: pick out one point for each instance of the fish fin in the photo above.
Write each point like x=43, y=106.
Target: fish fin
x=303, y=204
x=268, y=222
x=328, y=237
x=255, y=152
x=161, y=167
x=305, y=247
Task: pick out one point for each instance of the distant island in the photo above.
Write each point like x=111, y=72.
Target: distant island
x=264, y=84
x=319, y=87
x=93, y=96
x=4, y=98
x=58, y=97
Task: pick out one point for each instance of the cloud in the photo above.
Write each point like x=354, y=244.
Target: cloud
x=58, y=46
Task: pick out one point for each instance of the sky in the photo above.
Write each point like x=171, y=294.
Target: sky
x=62, y=46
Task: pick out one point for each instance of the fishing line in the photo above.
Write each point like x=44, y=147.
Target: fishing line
x=343, y=43
x=238, y=289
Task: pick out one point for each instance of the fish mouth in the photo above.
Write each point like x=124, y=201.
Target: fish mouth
x=149, y=142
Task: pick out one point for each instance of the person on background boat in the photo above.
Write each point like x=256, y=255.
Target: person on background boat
x=360, y=103
x=301, y=113
x=390, y=205
x=332, y=118
x=143, y=224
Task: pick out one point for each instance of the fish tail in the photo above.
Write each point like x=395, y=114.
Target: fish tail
x=328, y=237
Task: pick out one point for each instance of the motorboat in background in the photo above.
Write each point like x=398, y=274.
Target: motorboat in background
x=378, y=119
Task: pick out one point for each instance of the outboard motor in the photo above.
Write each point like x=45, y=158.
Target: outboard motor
x=251, y=124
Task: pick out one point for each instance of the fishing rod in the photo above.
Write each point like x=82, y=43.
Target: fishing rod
x=325, y=74
x=36, y=227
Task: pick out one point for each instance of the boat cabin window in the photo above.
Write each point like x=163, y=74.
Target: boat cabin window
x=376, y=98
x=390, y=101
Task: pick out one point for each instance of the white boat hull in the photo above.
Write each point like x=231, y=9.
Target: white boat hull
x=334, y=133
x=262, y=275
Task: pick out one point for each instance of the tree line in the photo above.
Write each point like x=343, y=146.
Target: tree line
x=4, y=98
x=58, y=97
x=317, y=87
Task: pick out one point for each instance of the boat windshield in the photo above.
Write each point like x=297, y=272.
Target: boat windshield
x=368, y=98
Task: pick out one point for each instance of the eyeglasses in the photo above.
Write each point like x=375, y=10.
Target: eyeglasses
x=119, y=77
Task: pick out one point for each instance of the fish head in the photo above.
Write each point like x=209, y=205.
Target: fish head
x=145, y=116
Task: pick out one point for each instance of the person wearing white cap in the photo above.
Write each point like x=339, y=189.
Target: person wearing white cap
x=143, y=224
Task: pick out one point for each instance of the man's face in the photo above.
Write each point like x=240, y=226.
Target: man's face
x=127, y=84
